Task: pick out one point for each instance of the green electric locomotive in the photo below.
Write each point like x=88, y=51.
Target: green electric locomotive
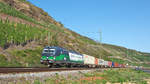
x=57, y=56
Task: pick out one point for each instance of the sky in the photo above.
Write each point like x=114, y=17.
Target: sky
x=122, y=22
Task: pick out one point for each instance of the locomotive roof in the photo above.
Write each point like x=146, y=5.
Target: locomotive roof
x=52, y=47
x=55, y=47
x=60, y=48
x=74, y=52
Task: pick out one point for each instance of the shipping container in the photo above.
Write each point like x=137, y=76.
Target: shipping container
x=106, y=63
x=89, y=59
x=96, y=61
x=123, y=66
x=100, y=62
x=109, y=63
x=120, y=65
x=113, y=64
x=116, y=64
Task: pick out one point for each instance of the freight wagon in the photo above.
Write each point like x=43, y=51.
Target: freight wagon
x=96, y=62
x=113, y=64
x=122, y=65
x=106, y=63
x=116, y=65
x=101, y=62
x=109, y=64
x=89, y=61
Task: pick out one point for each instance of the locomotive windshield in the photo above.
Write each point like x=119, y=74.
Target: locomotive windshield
x=50, y=52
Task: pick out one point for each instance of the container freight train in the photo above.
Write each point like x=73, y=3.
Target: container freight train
x=57, y=56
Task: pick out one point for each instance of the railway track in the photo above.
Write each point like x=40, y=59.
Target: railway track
x=23, y=70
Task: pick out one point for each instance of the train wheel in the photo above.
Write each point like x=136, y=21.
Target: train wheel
x=50, y=66
x=69, y=66
x=57, y=66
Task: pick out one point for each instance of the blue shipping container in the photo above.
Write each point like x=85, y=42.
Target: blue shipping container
x=112, y=64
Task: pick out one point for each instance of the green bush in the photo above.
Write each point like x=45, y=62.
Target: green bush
x=3, y=60
x=23, y=58
x=5, y=63
x=125, y=75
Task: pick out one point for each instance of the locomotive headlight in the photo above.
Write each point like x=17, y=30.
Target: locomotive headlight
x=54, y=58
x=64, y=58
x=41, y=60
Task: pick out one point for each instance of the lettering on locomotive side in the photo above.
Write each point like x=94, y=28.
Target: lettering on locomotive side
x=75, y=57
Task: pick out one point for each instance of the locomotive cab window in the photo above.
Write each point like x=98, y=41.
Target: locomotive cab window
x=45, y=51
x=51, y=51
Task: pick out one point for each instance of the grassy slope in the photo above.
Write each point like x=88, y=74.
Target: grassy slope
x=134, y=57
x=57, y=36
x=28, y=58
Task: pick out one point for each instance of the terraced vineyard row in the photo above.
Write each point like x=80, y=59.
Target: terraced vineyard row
x=15, y=33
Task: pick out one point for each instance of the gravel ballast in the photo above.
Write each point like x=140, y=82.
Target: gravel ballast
x=19, y=77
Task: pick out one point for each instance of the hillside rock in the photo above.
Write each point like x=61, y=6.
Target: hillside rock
x=32, y=11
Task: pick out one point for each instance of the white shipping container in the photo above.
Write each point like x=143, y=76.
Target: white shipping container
x=100, y=62
x=88, y=59
x=106, y=63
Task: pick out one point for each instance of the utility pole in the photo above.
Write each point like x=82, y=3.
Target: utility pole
x=100, y=32
x=127, y=53
x=100, y=41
